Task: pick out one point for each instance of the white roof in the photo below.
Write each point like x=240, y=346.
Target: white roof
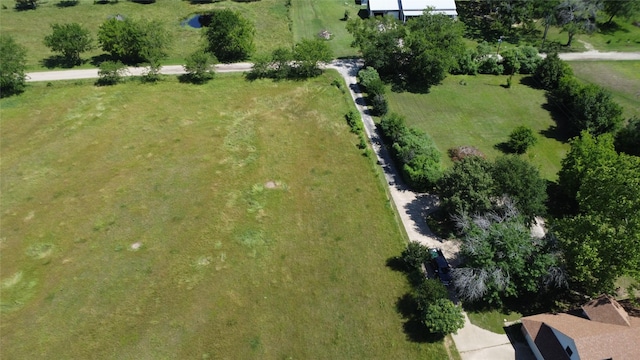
x=420, y=5
x=384, y=5
x=419, y=13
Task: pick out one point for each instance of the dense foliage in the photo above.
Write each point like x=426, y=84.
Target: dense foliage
x=304, y=61
x=628, y=138
x=110, y=72
x=200, y=67
x=550, y=70
x=588, y=107
x=12, y=66
x=229, y=36
x=520, y=139
x=70, y=40
x=602, y=241
x=502, y=259
x=415, y=55
x=134, y=41
x=414, y=151
x=443, y=317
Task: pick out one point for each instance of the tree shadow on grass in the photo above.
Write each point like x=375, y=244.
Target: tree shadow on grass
x=413, y=327
x=503, y=147
x=611, y=28
x=559, y=131
x=67, y=3
x=531, y=82
x=99, y=59
x=57, y=61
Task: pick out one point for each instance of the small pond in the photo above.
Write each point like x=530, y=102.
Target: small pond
x=197, y=21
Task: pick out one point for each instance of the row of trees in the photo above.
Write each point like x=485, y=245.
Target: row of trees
x=229, y=38
x=414, y=152
x=303, y=61
x=489, y=19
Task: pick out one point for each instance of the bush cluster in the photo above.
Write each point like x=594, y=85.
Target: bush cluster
x=370, y=80
x=301, y=62
x=414, y=152
x=483, y=60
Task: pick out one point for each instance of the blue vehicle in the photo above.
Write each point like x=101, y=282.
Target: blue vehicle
x=440, y=266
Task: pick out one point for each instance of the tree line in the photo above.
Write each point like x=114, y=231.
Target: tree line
x=594, y=222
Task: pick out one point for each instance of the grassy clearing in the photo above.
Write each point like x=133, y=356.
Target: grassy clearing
x=622, y=78
x=181, y=221
x=619, y=36
x=483, y=114
x=30, y=27
x=492, y=320
x=309, y=17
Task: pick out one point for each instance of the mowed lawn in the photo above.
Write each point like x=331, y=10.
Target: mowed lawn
x=233, y=220
x=310, y=17
x=622, y=78
x=30, y=27
x=482, y=113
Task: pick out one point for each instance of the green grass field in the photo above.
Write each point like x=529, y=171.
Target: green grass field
x=232, y=220
x=30, y=27
x=622, y=78
x=492, y=320
x=311, y=16
x=621, y=35
x=483, y=114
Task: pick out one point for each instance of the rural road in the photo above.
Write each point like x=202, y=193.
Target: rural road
x=471, y=341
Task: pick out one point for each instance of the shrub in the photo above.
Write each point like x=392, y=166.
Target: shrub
x=467, y=64
x=370, y=80
x=521, y=139
x=392, y=125
x=529, y=60
x=110, y=72
x=414, y=255
x=550, y=70
x=489, y=65
x=443, y=317
x=354, y=122
x=200, y=67
x=379, y=105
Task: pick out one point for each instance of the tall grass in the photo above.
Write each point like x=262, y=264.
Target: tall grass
x=229, y=220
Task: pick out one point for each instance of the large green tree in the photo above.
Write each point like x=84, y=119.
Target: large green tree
x=624, y=8
x=467, y=187
x=134, y=41
x=577, y=17
x=550, y=70
x=502, y=259
x=70, y=40
x=521, y=181
x=587, y=152
x=230, y=36
x=309, y=54
x=433, y=45
x=12, y=64
x=602, y=242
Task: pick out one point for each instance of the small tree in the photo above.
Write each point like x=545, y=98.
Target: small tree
x=414, y=255
x=70, y=40
x=521, y=139
x=443, y=317
x=12, y=64
x=230, y=36
x=110, y=72
x=309, y=54
x=428, y=292
x=200, y=67
x=132, y=41
x=551, y=70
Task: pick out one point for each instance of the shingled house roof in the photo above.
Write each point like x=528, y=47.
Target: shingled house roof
x=605, y=332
